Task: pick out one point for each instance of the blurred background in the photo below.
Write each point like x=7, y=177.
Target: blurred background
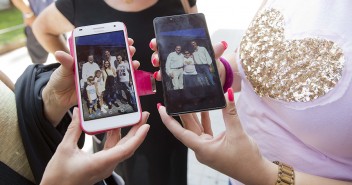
x=226, y=19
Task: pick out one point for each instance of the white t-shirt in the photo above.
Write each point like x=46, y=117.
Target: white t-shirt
x=201, y=56
x=100, y=83
x=88, y=69
x=174, y=61
x=91, y=91
x=123, y=72
x=296, y=92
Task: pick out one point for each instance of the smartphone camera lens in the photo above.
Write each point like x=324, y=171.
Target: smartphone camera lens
x=114, y=25
x=80, y=29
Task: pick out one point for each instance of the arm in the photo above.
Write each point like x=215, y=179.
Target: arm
x=88, y=95
x=49, y=27
x=232, y=152
x=7, y=81
x=26, y=10
x=168, y=65
x=84, y=73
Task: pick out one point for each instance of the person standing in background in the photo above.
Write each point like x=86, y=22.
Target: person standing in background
x=30, y=11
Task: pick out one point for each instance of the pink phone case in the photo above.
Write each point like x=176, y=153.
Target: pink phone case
x=145, y=82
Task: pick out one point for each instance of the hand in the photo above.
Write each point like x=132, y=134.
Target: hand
x=70, y=165
x=60, y=93
x=219, y=49
x=232, y=152
x=29, y=21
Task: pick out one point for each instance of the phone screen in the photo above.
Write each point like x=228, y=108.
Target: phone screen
x=189, y=74
x=105, y=79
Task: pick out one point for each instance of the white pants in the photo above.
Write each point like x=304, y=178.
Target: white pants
x=177, y=79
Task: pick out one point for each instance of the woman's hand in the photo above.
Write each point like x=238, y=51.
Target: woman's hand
x=60, y=93
x=71, y=165
x=232, y=152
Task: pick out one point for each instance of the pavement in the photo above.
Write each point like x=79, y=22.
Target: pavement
x=226, y=21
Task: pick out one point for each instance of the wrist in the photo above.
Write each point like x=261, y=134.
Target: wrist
x=54, y=111
x=28, y=15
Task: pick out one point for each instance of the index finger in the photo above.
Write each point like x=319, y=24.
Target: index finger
x=188, y=138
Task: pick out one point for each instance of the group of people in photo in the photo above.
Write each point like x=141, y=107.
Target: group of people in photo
x=190, y=68
x=106, y=85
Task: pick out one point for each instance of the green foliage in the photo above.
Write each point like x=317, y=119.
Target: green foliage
x=9, y=18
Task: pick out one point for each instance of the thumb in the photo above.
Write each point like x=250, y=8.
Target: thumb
x=232, y=122
x=66, y=62
x=219, y=49
x=74, y=129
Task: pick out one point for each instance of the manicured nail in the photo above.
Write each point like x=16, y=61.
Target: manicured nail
x=155, y=74
x=158, y=105
x=224, y=44
x=151, y=45
x=154, y=61
x=230, y=94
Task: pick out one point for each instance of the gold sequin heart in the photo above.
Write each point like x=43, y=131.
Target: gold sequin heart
x=289, y=70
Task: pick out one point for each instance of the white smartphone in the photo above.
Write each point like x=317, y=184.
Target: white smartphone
x=104, y=76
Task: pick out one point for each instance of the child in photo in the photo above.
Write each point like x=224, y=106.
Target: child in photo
x=92, y=97
x=189, y=70
x=100, y=88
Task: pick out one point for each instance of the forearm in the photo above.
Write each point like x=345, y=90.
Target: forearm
x=49, y=27
x=23, y=7
x=50, y=42
x=266, y=173
x=7, y=81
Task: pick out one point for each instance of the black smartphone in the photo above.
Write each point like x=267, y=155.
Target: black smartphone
x=190, y=78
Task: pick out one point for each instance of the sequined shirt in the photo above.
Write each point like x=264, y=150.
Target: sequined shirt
x=296, y=92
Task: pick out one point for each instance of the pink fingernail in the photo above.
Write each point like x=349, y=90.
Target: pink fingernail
x=153, y=61
x=230, y=94
x=151, y=45
x=155, y=74
x=224, y=43
x=158, y=105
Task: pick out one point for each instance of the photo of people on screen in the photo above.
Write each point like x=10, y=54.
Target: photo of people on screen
x=190, y=67
x=104, y=76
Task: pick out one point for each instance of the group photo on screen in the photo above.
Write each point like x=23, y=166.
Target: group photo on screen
x=105, y=81
x=189, y=67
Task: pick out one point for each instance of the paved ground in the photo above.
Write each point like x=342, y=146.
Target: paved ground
x=226, y=21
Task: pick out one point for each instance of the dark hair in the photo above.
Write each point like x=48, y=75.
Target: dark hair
x=96, y=72
x=90, y=79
